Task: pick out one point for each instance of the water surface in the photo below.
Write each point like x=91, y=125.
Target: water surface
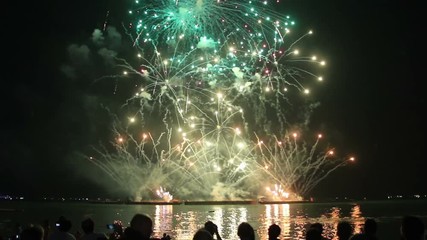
x=182, y=221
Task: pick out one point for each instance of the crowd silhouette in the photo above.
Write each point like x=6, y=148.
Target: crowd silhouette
x=141, y=228
x=369, y=231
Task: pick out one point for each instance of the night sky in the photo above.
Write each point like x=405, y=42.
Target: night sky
x=372, y=102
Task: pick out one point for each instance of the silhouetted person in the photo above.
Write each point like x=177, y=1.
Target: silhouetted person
x=344, y=230
x=141, y=228
x=33, y=232
x=63, y=227
x=16, y=231
x=313, y=234
x=319, y=228
x=88, y=227
x=412, y=228
x=213, y=229
x=165, y=237
x=46, y=229
x=245, y=231
x=274, y=231
x=369, y=231
x=202, y=234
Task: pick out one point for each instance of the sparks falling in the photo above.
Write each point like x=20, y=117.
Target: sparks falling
x=219, y=85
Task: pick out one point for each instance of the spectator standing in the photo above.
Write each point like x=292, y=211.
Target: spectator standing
x=274, y=231
x=412, y=228
x=88, y=227
x=213, y=229
x=62, y=232
x=344, y=230
x=245, y=231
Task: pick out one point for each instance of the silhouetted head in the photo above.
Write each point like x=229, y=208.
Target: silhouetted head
x=63, y=224
x=317, y=226
x=313, y=234
x=202, y=234
x=370, y=227
x=412, y=228
x=245, y=231
x=34, y=232
x=344, y=230
x=211, y=227
x=88, y=225
x=143, y=224
x=274, y=231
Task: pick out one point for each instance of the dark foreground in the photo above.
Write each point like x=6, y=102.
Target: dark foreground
x=180, y=221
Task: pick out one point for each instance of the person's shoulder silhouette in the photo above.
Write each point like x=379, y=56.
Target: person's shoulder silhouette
x=412, y=228
x=245, y=231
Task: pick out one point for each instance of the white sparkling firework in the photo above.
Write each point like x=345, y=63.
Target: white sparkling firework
x=218, y=85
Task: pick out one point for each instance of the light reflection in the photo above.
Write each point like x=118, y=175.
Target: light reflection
x=228, y=221
x=358, y=220
x=335, y=216
x=218, y=219
x=162, y=219
x=330, y=227
x=181, y=222
x=299, y=227
x=187, y=225
x=278, y=214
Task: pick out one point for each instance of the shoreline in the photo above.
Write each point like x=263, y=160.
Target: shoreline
x=202, y=202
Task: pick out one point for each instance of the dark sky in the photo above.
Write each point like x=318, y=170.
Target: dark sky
x=373, y=98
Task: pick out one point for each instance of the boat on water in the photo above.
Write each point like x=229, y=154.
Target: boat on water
x=107, y=201
x=201, y=202
x=155, y=202
x=281, y=202
x=221, y=202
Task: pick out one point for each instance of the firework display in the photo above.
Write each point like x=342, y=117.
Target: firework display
x=220, y=88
